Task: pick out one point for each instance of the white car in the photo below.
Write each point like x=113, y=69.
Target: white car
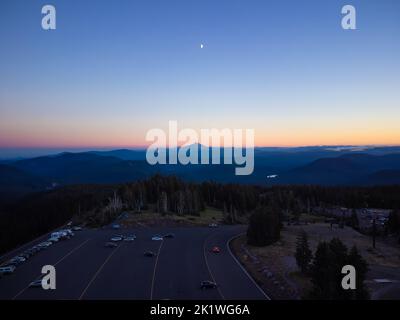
x=116, y=239
x=157, y=238
x=53, y=239
x=18, y=259
x=22, y=258
x=7, y=269
x=44, y=245
x=129, y=238
x=62, y=234
x=68, y=232
x=58, y=235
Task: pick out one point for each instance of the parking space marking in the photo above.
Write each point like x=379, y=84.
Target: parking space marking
x=98, y=271
x=208, y=267
x=154, y=271
x=65, y=256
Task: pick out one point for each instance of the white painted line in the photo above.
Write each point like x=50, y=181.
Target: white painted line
x=208, y=267
x=72, y=251
x=154, y=271
x=98, y=272
x=244, y=270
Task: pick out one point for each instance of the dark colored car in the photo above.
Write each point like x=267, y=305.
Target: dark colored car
x=111, y=245
x=169, y=235
x=149, y=254
x=25, y=255
x=208, y=285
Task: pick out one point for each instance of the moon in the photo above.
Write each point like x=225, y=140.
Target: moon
x=201, y=46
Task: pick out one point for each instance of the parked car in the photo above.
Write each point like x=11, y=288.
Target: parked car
x=111, y=245
x=14, y=263
x=213, y=225
x=169, y=235
x=116, y=226
x=25, y=255
x=63, y=234
x=130, y=238
x=45, y=244
x=76, y=228
x=53, y=239
x=18, y=259
x=57, y=234
x=157, y=238
x=68, y=232
x=9, y=269
x=31, y=251
x=207, y=284
x=116, y=238
x=149, y=254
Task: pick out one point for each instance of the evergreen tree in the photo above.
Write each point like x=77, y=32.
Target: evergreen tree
x=361, y=266
x=327, y=272
x=321, y=273
x=393, y=223
x=264, y=227
x=303, y=253
x=354, y=223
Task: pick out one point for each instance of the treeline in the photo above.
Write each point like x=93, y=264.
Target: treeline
x=304, y=197
x=42, y=212
x=99, y=204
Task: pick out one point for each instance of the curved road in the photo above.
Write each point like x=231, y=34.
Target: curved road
x=88, y=270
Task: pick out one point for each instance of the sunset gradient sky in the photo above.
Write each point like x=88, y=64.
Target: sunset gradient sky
x=115, y=69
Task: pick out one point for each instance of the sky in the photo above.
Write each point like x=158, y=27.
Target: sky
x=112, y=70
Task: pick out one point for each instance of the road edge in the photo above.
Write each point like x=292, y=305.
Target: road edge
x=243, y=268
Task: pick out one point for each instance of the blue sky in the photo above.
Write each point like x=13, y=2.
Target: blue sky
x=114, y=69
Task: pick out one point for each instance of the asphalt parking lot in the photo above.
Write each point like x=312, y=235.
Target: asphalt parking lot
x=86, y=269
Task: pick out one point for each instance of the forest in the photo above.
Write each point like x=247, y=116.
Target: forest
x=95, y=205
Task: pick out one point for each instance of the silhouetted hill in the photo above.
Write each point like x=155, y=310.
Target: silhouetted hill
x=383, y=177
x=309, y=165
x=71, y=168
x=15, y=182
x=123, y=154
x=348, y=169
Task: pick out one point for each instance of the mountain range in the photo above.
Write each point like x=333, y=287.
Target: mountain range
x=307, y=165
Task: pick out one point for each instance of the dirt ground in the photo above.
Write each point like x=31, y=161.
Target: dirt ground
x=209, y=215
x=274, y=267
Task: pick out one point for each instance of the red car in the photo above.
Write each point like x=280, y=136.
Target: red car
x=216, y=250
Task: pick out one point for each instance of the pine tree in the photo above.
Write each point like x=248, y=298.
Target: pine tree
x=321, y=270
x=326, y=272
x=303, y=253
x=354, y=220
x=361, y=266
x=264, y=227
x=394, y=221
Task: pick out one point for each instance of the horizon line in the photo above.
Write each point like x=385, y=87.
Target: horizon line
x=140, y=147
